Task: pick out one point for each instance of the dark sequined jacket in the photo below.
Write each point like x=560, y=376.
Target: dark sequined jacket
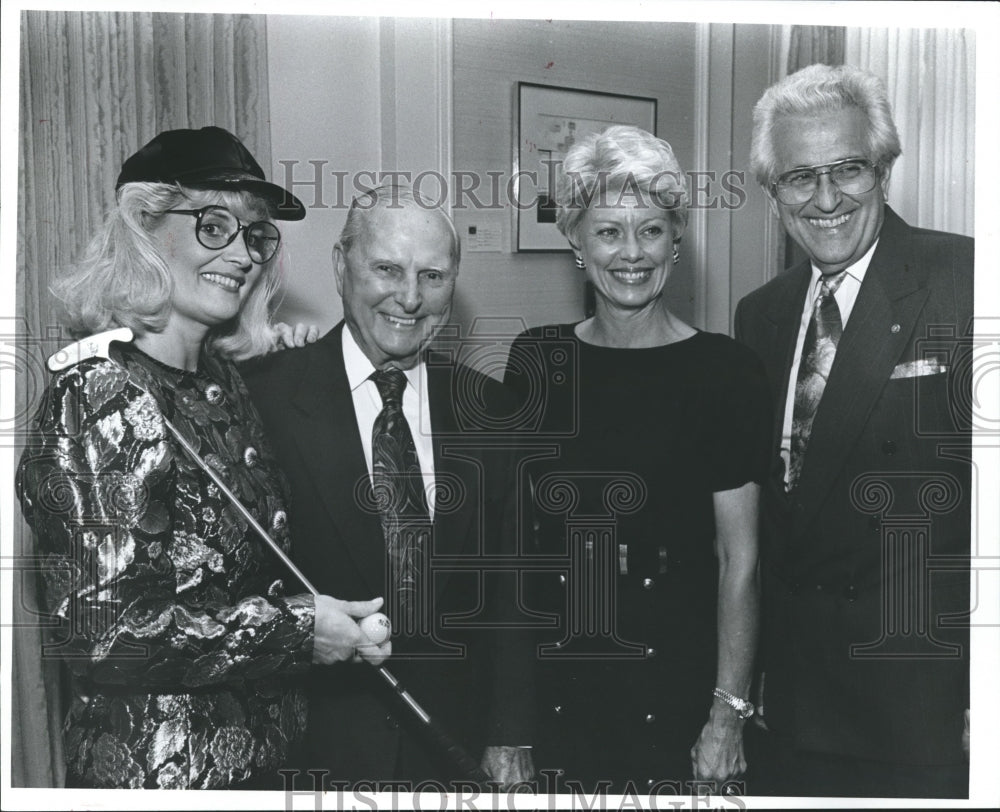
x=183, y=649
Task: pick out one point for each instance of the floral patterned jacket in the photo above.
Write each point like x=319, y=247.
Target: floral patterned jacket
x=183, y=650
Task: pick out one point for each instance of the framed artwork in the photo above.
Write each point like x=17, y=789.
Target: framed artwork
x=547, y=122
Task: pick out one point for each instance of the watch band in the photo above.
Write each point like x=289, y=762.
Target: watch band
x=744, y=708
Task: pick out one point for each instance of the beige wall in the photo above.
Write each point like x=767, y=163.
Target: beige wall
x=324, y=96
x=351, y=97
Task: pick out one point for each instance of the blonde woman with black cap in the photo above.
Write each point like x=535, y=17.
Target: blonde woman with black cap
x=183, y=649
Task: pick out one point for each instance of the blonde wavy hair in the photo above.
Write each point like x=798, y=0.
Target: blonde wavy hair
x=123, y=281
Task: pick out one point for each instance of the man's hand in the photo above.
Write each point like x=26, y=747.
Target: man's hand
x=718, y=753
x=338, y=637
x=283, y=336
x=508, y=765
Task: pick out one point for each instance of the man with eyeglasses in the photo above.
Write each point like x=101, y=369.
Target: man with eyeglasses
x=866, y=520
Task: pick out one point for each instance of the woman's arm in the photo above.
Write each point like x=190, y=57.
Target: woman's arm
x=718, y=753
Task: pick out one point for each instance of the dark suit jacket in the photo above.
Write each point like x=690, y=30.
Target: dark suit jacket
x=865, y=586
x=477, y=691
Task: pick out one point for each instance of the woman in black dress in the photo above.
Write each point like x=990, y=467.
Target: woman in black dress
x=652, y=496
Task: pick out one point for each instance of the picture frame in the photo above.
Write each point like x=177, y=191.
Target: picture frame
x=547, y=121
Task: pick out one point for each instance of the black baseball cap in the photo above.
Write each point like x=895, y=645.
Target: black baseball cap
x=209, y=158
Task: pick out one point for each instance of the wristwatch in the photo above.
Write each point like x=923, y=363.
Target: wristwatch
x=744, y=708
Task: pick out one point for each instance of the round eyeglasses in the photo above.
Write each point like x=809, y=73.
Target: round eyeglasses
x=217, y=227
x=853, y=176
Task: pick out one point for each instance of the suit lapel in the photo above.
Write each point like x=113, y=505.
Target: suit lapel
x=326, y=420
x=880, y=329
x=784, y=315
x=452, y=470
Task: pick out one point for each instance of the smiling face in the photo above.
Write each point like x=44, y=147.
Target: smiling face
x=397, y=282
x=835, y=229
x=627, y=249
x=210, y=285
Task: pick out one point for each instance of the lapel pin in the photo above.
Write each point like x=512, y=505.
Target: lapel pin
x=894, y=328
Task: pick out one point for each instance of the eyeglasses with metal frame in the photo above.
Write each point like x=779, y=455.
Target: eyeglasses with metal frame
x=216, y=227
x=852, y=176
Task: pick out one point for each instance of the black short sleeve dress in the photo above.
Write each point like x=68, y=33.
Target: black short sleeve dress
x=639, y=440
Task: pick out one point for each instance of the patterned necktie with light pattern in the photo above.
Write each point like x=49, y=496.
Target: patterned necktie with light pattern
x=402, y=503
x=818, y=350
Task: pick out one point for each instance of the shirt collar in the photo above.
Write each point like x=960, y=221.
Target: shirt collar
x=856, y=271
x=359, y=369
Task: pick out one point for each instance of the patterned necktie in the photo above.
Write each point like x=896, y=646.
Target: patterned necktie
x=818, y=350
x=402, y=503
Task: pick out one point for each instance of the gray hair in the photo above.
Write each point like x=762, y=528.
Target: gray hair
x=817, y=90
x=123, y=281
x=620, y=158
x=391, y=196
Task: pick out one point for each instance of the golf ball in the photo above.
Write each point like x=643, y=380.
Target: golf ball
x=376, y=627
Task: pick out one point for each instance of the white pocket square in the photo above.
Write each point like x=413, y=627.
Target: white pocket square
x=915, y=369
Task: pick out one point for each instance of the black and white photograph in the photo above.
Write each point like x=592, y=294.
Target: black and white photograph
x=546, y=405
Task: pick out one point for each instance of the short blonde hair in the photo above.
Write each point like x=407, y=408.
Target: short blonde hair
x=619, y=158
x=123, y=281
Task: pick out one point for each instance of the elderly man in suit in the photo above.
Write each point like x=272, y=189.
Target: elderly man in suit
x=866, y=520
x=395, y=492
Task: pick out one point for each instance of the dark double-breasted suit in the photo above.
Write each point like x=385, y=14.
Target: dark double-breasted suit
x=865, y=584
x=475, y=679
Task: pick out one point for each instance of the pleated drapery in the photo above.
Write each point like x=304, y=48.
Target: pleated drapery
x=811, y=44
x=930, y=75
x=94, y=87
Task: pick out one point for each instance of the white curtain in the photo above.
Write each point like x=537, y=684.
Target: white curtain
x=931, y=80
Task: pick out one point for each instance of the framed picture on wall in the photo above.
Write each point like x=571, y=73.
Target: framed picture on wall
x=547, y=122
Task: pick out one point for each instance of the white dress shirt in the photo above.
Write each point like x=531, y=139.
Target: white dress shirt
x=368, y=404
x=846, y=295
